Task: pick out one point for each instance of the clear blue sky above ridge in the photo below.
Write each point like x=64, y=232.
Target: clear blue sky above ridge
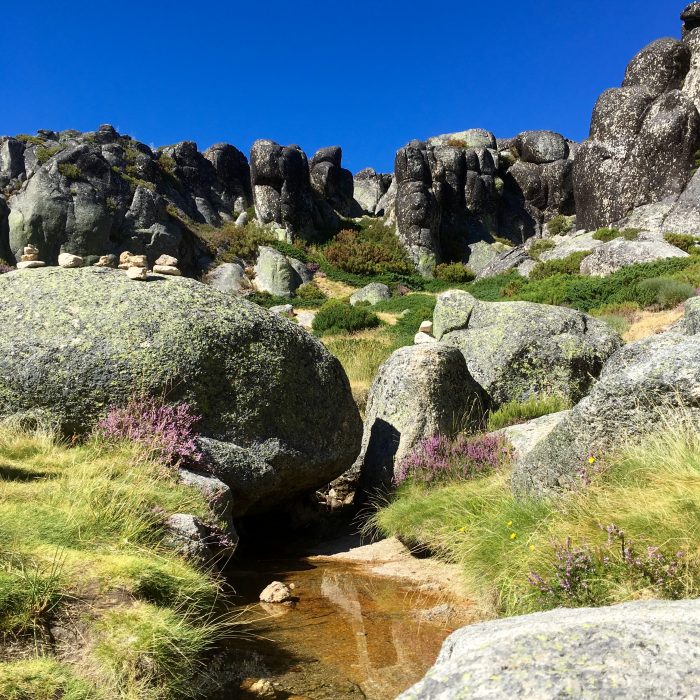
x=368, y=75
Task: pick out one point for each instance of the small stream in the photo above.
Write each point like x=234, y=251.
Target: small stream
x=351, y=635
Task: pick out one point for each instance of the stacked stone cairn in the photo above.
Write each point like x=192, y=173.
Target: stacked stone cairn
x=30, y=258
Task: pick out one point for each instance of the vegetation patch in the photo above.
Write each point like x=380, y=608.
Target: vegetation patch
x=337, y=316
x=564, y=266
x=610, y=234
x=515, y=412
x=454, y=272
x=70, y=171
x=630, y=532
x=44, y=153
x=539, y=247
x=684, y=241
x=82, y=527
x=663, y=292
x=560, y=225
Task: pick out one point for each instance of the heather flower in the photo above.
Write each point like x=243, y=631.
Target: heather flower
x=165, y=430
x=5, y=268
x=438, y=458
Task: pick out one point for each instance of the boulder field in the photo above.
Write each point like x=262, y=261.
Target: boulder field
x=277, y=414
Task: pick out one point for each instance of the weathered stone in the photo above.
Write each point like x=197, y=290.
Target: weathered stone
x=275, y=274
x=517, y=350
x=541, y=147
x=420, y=391
x=229, y=278
x=567, y=245
x=168, y=260
x=190, y=538
x=619, y=252
x=503, y=262
x=30, y=264
x=68, y=260
x=267, y=391
x=641, y=381
x=137, y=273
x=107, y=261
x=368, y=189
x=373, y=293
x=283, y=310
x=644, y=650
x=276, y=592
x=524, y=437
x=421, y=338
x=168, y=270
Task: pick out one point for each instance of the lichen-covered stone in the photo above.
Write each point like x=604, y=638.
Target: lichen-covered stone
x=373, y=293
x=640, y=383
x=85, y=339
x=516, y=350
x=420, y=391
x=619, y=252
x=644, y=650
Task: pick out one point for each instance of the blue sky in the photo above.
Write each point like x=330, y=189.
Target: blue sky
x=369, y=75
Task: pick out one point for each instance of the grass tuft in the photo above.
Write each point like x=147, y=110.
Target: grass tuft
x=515, y=412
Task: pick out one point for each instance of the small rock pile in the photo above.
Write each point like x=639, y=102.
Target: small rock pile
x=136, y=266
x=30, y=258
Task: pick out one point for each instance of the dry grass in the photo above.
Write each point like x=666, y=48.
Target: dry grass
x=647, y=323
x=333, y=289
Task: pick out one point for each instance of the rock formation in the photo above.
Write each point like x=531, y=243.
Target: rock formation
x=516, y=350
x=641, y=386
x=458, y=189
x=645, y=649
x=278, y=416
x=639, y=157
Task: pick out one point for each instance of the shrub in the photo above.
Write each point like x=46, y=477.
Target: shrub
x=565, y=266
x=70, y=171
x=539, y=247
x=683, y=241
x=310, y=292
x=559, y=225
x=374, y=250
x=515, y=412
x=663, y=292
x=337, y=316
x=439, y=459
x=291, y=251
x=167, y=431
x=43, y=154
x=457, y=143
x=454, y=272
x=608, y=234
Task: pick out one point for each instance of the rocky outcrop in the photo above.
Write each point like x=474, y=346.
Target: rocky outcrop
x=331, y=181
x=229, y=278
x=641, y=387
x=420, y=391
x=277, y=274
x=516, y=350
x=369, y=187
x=278, y=416
x=458, y=189
x=612, y=256
x=101, y=193
x=645, y=649
x=643, y=136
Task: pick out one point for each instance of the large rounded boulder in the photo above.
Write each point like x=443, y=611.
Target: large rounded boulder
x=516, y=350
x=278, y=416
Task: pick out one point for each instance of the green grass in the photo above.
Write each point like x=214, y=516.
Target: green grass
x=651, y=490
x=515, y=412
x=43, y=679
x=609, y=234
x=79, y=524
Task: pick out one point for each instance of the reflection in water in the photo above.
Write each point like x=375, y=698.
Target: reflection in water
x=351, y=635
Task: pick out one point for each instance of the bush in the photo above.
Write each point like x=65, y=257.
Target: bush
x=539, y=247
x=337, y=316
x=683, y=241
x=374, y=250
x=454, y=272
x=166, y=431
x=310, y=292
x=608, y=234
x=515, y=412
x=439, y=459
x=565, y=266
x=43, y=154
x=663, y=292
x=559, y=225
x=70, y=171
x=291, y=251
